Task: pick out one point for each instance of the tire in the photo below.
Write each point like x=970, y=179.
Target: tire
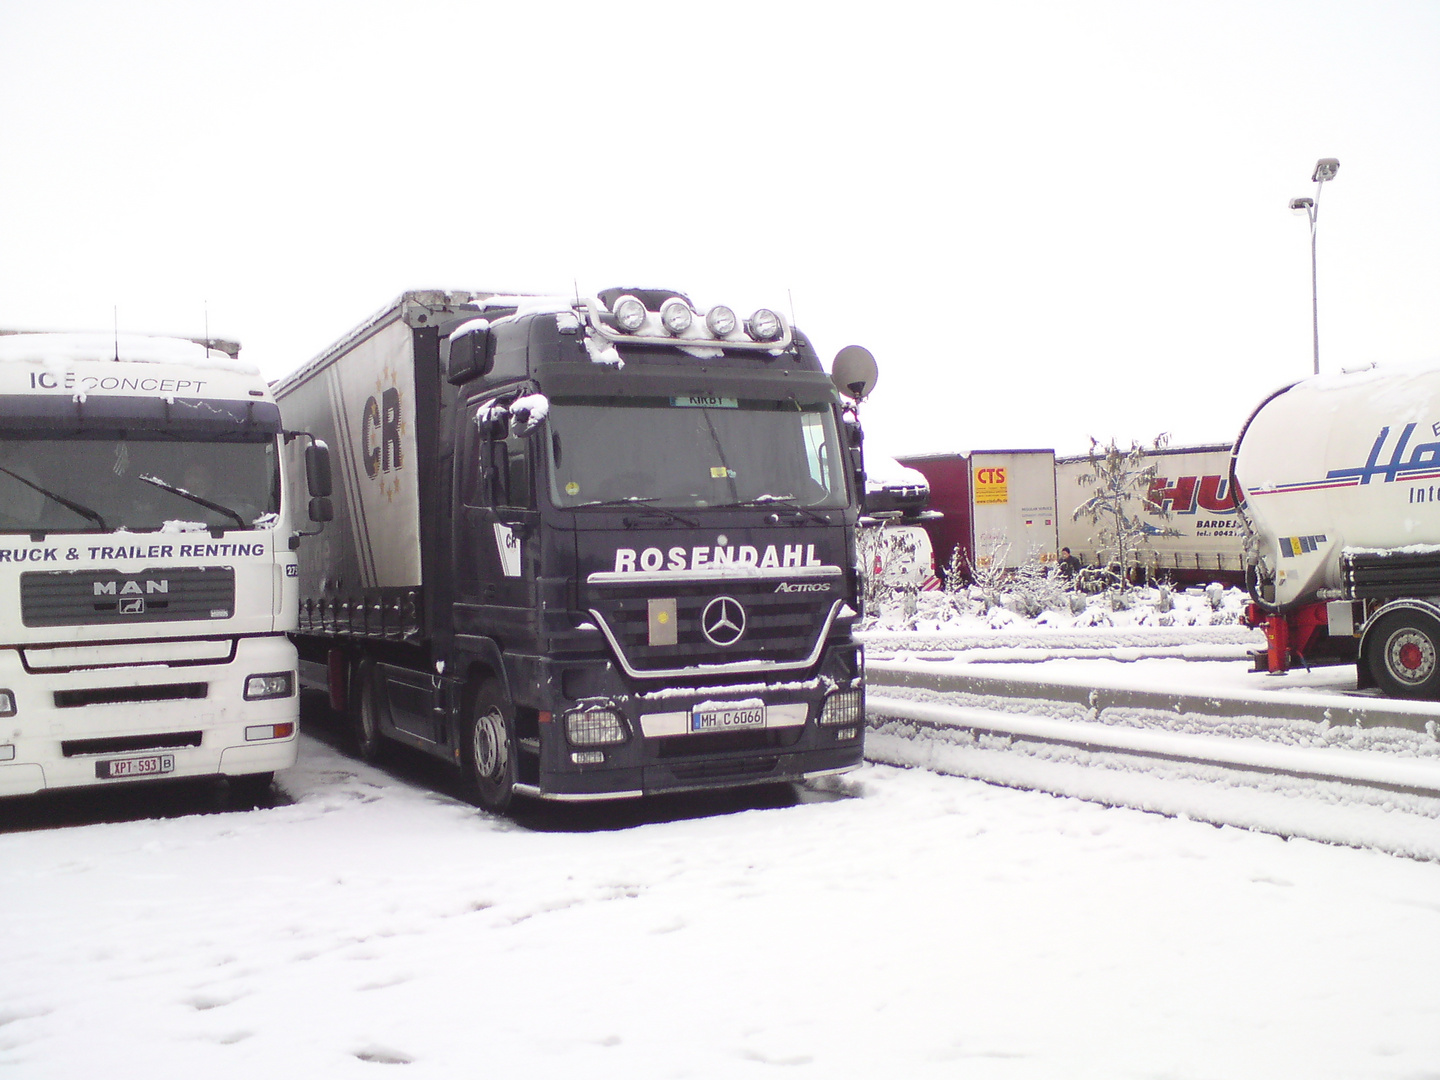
x=363, y=713
x=488, y=753
x=1403, y=654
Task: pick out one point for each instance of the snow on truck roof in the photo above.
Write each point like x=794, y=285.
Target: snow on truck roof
x=63, y=348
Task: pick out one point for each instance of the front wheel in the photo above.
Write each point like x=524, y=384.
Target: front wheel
x=489, y=750
x=1403, y=653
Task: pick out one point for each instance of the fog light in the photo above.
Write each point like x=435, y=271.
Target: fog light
x=275, y=684
x=7, y=703
x=720, y=320
x=7, y=752
x=629, y=314
x=588, y=757
x=765, y=325
x=676, y=316
x=269, y=731
x=597, y=727
x=845, y=734
x=842, y=708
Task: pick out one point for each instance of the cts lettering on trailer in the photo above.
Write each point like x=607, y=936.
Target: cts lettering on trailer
x=777, y=556
x=1422, y=463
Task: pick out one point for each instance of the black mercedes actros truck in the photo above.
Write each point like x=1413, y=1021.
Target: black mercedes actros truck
x=585, y=549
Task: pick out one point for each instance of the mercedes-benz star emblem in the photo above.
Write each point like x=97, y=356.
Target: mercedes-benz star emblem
x=723, y=621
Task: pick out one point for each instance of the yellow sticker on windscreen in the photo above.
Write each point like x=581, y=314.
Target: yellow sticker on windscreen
x=572, y=488
x=719, y=472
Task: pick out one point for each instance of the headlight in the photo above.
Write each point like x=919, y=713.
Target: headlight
x=842, y=708
x=629, y=314
x=676, y=316
x=276, y=684
x=597, y=727
x=720, y=320
x=765, y=325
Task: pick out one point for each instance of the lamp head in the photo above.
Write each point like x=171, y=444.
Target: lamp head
x=1325, y=169
x=1301, y=206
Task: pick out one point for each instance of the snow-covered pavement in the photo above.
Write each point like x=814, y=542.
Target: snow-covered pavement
x=920, y=926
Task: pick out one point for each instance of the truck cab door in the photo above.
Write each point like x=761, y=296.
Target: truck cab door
x=497, y=543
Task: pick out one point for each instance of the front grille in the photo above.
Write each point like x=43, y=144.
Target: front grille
x=163, y=594
x=726, y=770
x=117, y=695
x=779, y=626
x=172, y=740
x=724, y=742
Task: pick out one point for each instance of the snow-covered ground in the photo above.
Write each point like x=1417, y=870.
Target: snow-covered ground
x=898, y=923
x=916, y=925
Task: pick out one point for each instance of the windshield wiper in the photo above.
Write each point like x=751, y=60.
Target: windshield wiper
x=217, y=507
x=83, y=511
x=787, y=501
x=641, y=502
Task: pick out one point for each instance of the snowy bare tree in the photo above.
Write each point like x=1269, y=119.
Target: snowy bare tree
x=1119, y=485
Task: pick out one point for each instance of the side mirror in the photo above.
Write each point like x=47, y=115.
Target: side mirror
x=468, y=354
x=317, y=473
x=321, y=509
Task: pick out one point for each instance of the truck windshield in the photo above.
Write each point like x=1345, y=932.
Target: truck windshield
x=694, y=452
x=99, y=484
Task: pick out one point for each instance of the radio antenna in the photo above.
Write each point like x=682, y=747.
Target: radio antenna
x=206, y=303
x=115, y=315
x=791, y=295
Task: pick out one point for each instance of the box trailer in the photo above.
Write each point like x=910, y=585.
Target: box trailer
x=585, y=548
x=995, y=504
x=1199, y=541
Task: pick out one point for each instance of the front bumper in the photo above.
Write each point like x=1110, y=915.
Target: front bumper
x=70, y=724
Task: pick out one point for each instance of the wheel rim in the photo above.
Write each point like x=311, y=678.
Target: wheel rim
x=489, y=744
x=1410, y=656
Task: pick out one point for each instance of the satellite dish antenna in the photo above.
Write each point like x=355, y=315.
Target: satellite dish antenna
x=854, y=372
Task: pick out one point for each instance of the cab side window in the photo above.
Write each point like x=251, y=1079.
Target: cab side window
x=497, y=469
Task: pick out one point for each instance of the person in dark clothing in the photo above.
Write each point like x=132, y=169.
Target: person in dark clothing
x=1069, y=564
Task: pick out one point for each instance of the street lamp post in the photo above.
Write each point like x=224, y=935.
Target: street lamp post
x=1325, y=169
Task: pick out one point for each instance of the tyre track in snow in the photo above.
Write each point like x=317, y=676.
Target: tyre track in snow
x=1337, y=769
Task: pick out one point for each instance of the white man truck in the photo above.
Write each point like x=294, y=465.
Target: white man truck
x=1339, y=484
x=585, y=549
x=147, y=576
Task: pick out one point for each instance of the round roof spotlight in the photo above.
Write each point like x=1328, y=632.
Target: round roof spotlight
x=721, y=321
x=676, y=316
x=629, y=314
x=765, y=325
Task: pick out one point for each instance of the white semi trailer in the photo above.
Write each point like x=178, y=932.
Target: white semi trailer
x=147, y=565
x=1339, y=477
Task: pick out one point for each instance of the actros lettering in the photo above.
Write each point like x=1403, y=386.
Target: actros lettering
x=380, y=433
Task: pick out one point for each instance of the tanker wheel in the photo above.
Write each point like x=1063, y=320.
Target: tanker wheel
x=1403, y=652
x=363, y=706
x=488, y=755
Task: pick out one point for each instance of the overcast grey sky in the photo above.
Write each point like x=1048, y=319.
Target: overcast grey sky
x=1047, y=220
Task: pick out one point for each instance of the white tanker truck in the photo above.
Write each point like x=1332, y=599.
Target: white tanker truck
x=1339, y=484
